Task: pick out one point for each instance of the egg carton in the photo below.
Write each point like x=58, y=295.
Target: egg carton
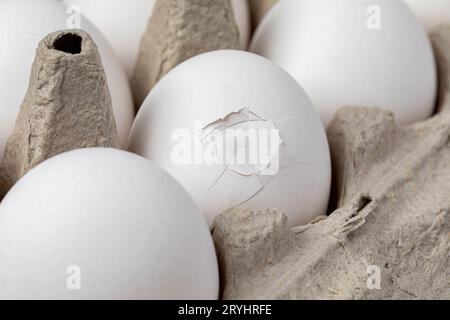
x=56, y=103
x=391, y=183
x=391, y=187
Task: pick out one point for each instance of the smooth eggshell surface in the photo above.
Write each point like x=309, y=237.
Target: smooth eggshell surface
x=432, y=13
x=23, y=24
x=371, y=53
x=123, y=24
x=108, y=223
x=236, y=90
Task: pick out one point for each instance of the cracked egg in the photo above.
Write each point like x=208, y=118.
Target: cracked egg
x=237, y=131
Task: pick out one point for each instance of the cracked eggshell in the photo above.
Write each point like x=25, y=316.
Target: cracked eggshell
x=127, y=228
x=124, y=24
x=237, y=89
x=432, y=13
x=23, y=24
x=337, y=54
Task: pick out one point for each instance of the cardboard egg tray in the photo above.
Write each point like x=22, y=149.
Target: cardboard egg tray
x=391, y=184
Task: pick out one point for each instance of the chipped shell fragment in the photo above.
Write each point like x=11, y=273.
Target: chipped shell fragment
x=224, y=139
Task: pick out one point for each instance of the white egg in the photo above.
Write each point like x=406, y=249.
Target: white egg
x=432, y=13
x=123, y=24
x=103, y=224
x=23, y=23
x=371, y=53
x=279, y=156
